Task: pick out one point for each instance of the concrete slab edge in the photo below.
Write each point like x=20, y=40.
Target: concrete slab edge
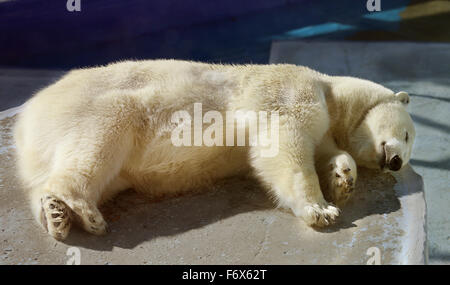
x=410, y=192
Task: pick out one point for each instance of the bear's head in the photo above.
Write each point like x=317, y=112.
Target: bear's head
x=385, y=137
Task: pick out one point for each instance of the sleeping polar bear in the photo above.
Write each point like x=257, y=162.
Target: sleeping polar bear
x=102, y=130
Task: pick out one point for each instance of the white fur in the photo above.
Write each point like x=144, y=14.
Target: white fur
x=101, y=130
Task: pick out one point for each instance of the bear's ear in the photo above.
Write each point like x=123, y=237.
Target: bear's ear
x=403, y=97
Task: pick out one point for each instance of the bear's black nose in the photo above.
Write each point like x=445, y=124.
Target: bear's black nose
x=395, y=163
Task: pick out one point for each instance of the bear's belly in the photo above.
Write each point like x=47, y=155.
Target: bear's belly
x=166, y=169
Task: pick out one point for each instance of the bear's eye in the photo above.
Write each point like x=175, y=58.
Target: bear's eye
x=406, y=138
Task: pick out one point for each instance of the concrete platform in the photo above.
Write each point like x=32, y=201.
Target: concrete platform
x=422, y=69
x=233, y=223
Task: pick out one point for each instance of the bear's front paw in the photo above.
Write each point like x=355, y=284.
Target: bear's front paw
x=320, y=215
x=341, y=179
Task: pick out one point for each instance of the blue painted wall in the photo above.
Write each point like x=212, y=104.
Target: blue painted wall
x=42, y=33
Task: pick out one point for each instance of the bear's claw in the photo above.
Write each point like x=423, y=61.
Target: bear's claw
x=321, y=215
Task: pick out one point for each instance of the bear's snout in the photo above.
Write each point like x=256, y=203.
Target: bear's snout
x=395, y=163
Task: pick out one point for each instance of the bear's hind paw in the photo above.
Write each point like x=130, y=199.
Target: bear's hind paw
x=55, y=217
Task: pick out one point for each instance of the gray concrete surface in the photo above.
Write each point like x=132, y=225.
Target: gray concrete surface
x=423, y=70
x=232, y=223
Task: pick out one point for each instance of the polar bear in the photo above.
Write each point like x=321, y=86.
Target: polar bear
x=101, y=130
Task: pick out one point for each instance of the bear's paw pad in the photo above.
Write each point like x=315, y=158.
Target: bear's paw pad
x=55, y=217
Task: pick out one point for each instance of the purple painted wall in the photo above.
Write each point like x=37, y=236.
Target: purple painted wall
x=36, y=26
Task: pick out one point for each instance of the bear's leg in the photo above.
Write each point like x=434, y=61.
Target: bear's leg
x=58, y=210
x=76, y=185
x=292, y=177
x=337, y=171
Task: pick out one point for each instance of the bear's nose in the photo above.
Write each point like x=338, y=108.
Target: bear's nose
x=395, y=163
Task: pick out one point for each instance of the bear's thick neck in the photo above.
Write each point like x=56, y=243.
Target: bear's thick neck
x=347, y=115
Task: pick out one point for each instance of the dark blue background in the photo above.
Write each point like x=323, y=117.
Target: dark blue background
x=42, y=33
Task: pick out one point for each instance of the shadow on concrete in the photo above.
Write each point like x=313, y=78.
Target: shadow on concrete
x=134, y=219
x=430, y=97
x=440, y=164
x=425, y=121
x=374, y=195
x=440, y=257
